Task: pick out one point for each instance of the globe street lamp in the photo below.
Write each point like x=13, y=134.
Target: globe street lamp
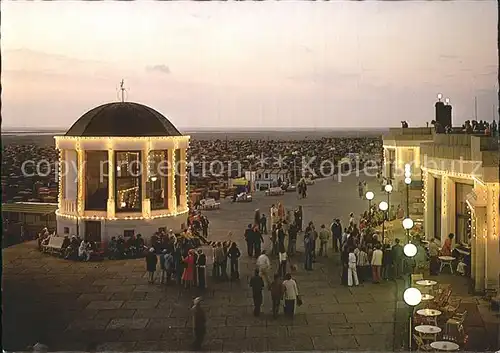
x=369, y=196
x=407, y=225
x=383, y=206
x=388, y=190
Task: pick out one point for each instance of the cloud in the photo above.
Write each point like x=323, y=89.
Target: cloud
x=164, y=69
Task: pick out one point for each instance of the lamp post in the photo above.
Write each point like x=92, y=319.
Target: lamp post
x=369, y=196
x=383, y=206
x=411, y=296
x=407, y=182
x=294, y=154
x=388, y=190
x=407, y=225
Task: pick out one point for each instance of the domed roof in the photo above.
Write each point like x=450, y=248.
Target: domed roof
x=123, y=119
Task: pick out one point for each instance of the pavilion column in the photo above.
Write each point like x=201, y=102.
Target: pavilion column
x=172, y=200
x=145, y=200
x=61, y=178
x=81, y=182
x=182, y=171
x=111, y=183
x=429, y=205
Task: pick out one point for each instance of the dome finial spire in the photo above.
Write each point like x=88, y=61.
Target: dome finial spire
x=122, y=90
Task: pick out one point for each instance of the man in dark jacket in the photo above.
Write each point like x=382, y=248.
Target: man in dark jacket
x=233, y=255
x=257, y=285
x=201, y=264
x=258, y=240
x=336, y=229
x=199, y=324
x=249, y=238
x=151, y=262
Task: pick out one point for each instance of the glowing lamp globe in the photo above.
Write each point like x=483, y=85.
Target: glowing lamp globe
x=440, y=96
x=407, y=174
x=383, y=206
x=407, y=180
x=410, y=250
x=370, y=195
x=412, y=296
x=407, y=223
x=388, y=188
x=407, y=167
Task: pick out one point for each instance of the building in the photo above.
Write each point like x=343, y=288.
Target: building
x=117, y=175
x=402, y=146
x=459, y=175
x=461, y=195
x=267, y=178
x=28, y=218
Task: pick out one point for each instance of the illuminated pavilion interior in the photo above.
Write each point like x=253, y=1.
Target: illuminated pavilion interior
x=116, y=176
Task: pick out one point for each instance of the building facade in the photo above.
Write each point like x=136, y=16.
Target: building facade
x=460, y=178
x=122, y=172
x=461, y=186
x=401, y=147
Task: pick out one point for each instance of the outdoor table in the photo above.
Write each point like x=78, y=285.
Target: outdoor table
x=426, y=282
x=430, y=313
x=445, y=346
x=446, y=261
x=426, y=297
x=428, y=329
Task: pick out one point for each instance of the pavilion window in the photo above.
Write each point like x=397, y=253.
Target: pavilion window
x=128, y=176
x=158, y=179
x=96, y=180
x=177, y=171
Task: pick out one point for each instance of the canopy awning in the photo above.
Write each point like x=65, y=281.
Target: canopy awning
x=240, y=182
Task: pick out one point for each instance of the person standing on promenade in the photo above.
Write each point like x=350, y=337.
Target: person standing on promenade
x=264, y=267
x=257, y=285
x=291, y=295
x=277, y=290
x=376, y=262
x=199, y=324
x=151, y=262
x=324, y=236
x=233, y=255
x=249, y=238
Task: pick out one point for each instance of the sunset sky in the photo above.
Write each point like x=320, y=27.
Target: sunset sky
x=250, y=64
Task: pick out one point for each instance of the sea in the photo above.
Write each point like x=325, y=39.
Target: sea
x=233, y=134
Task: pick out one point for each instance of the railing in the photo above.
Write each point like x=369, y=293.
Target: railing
x=68, y=207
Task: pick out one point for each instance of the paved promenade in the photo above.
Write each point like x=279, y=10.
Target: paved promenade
x=109, y=305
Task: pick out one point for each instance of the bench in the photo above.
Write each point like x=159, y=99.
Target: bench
x=275, y=191
x=54, y=246
x=209, y=204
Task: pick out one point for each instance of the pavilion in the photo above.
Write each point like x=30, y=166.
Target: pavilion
x=116, y=174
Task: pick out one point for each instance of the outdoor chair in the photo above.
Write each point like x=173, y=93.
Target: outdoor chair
x=421, y=345
x=455, y=325
x=450, y=308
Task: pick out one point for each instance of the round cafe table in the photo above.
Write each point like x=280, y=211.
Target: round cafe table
x=426, y=282
x=432, y=314
x=445, y=346
x=428, y=329
x=429, y=312
x=427, y=297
